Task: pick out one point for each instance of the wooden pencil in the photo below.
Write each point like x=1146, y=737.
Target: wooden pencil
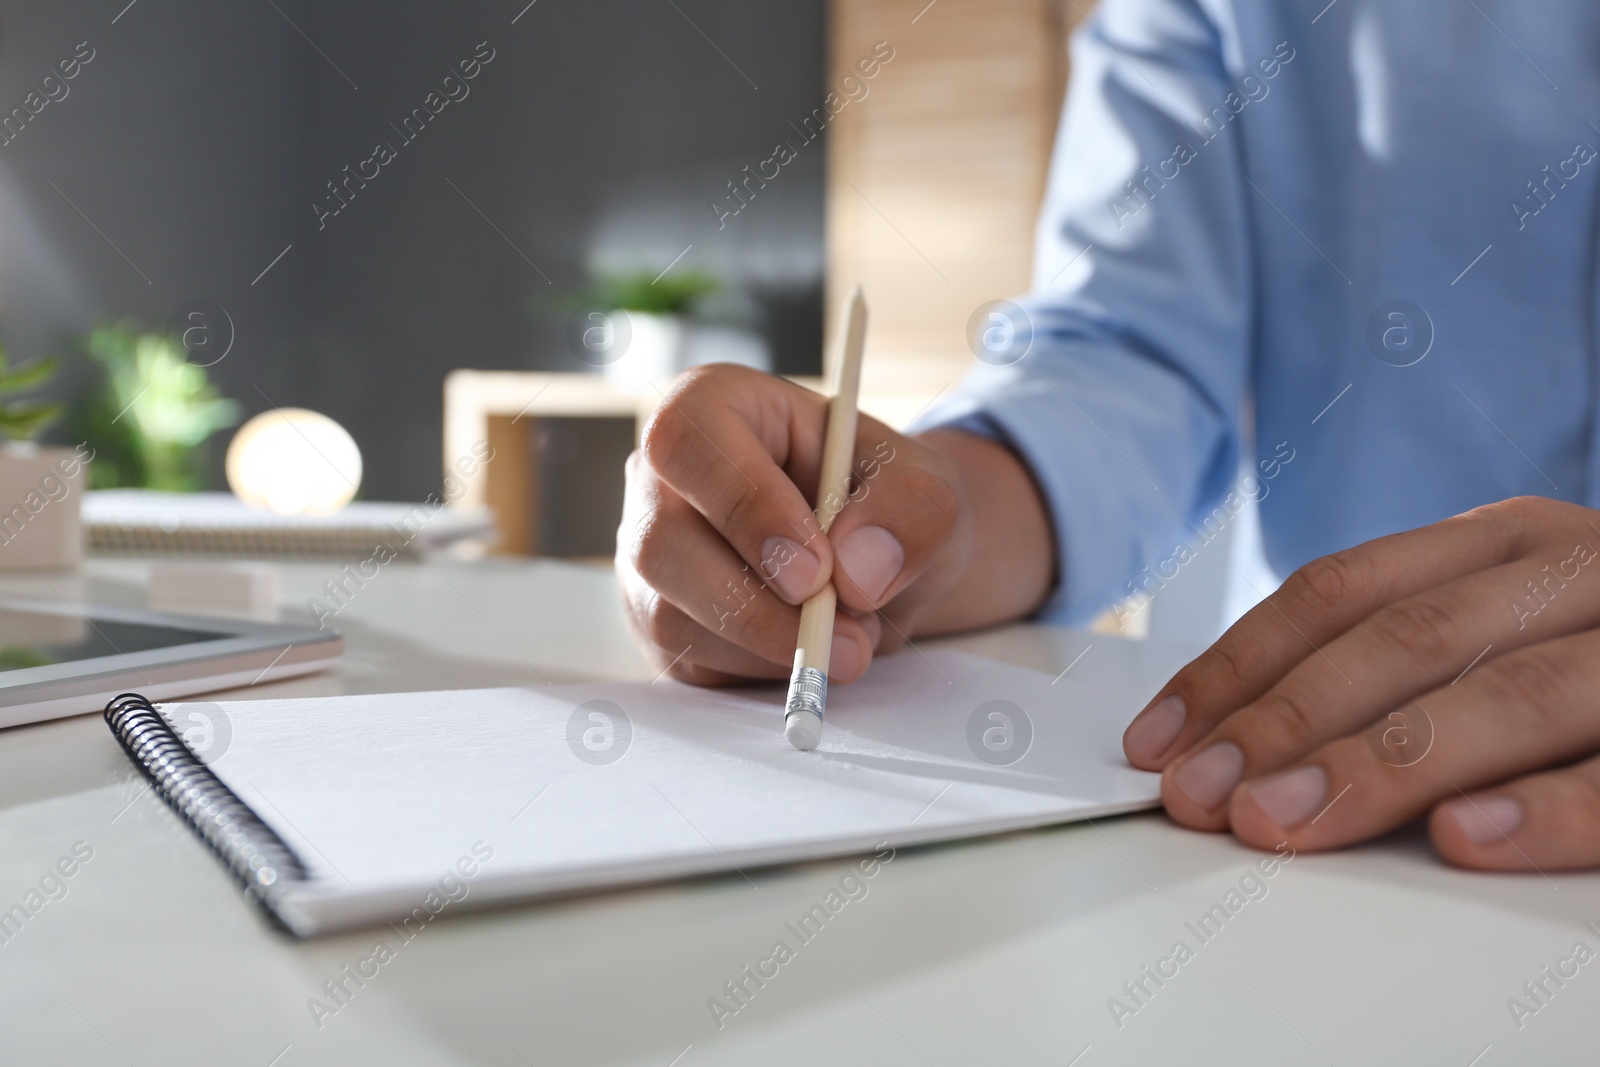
x=808, y=685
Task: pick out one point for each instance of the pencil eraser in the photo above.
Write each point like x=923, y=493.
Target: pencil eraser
x=804, y=731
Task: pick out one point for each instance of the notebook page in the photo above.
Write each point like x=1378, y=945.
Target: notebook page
x=590, y=786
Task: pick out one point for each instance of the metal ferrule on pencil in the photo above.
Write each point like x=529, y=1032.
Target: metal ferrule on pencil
x=808, y=693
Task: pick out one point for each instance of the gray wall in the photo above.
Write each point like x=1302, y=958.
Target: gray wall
x=200, y=135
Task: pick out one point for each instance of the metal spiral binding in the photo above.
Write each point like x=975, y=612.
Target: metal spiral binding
x=256, y=855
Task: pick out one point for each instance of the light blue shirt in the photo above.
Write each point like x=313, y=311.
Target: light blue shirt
x=1241, y=193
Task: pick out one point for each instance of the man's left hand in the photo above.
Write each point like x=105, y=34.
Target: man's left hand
x=1451, y=670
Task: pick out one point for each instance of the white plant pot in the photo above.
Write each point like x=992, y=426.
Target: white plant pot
x=661, y=347
x=41, y=492
x=656, y=351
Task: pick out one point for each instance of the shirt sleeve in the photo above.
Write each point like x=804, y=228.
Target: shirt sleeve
x=1119, y=379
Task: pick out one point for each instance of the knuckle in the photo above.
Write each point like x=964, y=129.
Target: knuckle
x=640, y=497
x=649, y=550
x=742, y=508
x=1332, y=582
x=1225, y=661
x=740, y=615
x=664, y=625
x=1526, y=507
x=702, y=386
x=1218, y=670
x=662, y=434
x=1529, y=680
x=1583, y=788
x=1421, y=627
x=1296, y=723
x=696, y=389
x=636, y=601
x=1515, y=513
x=707, y=376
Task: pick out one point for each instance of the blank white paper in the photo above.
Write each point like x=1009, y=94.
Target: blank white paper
x=382, y=795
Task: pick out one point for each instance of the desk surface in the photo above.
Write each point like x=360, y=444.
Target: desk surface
x=1001, y=951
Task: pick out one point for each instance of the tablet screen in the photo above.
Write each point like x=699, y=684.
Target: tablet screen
x=41, y=639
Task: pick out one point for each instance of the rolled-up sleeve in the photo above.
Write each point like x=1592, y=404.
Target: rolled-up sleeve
x=1126, y=403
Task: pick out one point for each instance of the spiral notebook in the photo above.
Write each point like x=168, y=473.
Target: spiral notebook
x=348, y=811
x=143, y=523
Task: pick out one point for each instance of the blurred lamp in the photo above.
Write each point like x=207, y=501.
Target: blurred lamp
x=294, y=462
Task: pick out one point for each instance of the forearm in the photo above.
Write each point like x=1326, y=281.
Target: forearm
x=1008, y=566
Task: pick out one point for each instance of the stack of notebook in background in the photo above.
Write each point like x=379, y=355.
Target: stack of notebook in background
x=132, y=521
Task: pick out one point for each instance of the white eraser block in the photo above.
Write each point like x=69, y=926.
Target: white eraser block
x=237, y=590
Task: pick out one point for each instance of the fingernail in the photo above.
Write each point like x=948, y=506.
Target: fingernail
x=1208, y=778
x=1488, y=819
x=1292, y=797
x=844, y=658
x=871, y=558
x=790, y=566
x=1153, y=732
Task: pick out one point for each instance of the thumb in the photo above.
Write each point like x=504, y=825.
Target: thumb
x=901, y=518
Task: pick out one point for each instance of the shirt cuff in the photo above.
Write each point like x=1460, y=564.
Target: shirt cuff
x=1106, y=521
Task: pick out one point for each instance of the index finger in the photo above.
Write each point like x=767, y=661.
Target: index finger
x=1316, y=604
x=721, y=440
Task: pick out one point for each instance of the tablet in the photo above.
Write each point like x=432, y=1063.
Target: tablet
x=58, y=659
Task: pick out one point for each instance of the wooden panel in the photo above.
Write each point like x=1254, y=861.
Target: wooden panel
x=471, y=397
x=511, y=484
x=935, y=178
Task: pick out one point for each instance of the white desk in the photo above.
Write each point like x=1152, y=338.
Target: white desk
x=1002, y=951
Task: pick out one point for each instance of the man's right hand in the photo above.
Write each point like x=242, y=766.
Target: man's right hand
x=719, y=545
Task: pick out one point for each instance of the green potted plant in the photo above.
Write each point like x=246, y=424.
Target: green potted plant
x=152, y=414
x=658, y=309
x=40, y=487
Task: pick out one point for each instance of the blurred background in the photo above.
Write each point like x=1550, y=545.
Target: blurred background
x=189, y=153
